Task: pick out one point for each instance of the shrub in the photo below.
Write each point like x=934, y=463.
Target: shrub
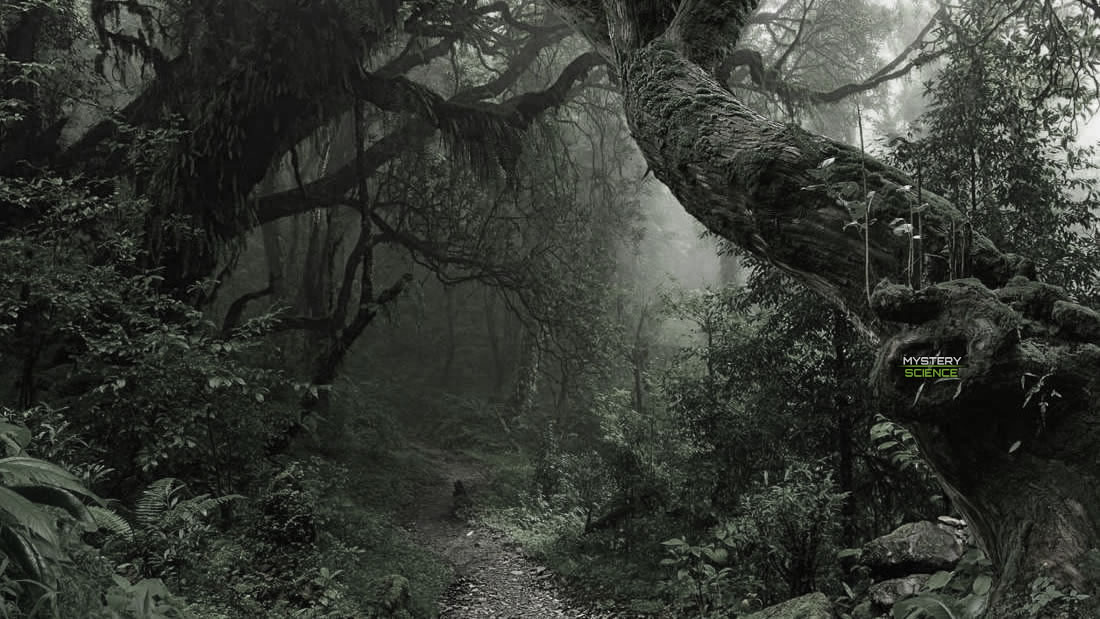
x=787, y=530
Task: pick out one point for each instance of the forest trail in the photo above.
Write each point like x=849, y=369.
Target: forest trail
x=493, y=577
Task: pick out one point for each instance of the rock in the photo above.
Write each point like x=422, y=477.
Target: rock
x=917, y=547
x=865, y=610
x=888, y=592
x=809, y=606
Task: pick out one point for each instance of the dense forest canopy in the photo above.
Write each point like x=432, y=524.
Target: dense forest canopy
x=272, y=269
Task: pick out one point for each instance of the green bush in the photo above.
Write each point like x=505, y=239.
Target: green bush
x=787, y=531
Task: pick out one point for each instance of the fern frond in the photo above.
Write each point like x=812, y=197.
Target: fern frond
x=199, y=506
x=110, y=521
x=156, y=500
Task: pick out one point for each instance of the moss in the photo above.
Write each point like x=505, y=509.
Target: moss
x=898, y=303
x=809, y=606
x=1077, y=320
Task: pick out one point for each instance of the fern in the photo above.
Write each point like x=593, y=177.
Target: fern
x=157, y=499
x=168, y=527
x=111, y=522
x=162, y=507
x=197, y=507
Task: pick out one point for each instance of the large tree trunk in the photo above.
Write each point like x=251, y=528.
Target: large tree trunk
x=1022, y=469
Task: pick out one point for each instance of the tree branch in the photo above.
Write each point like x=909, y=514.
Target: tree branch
x=769, y=79
x=517, y=112
x=236, y=309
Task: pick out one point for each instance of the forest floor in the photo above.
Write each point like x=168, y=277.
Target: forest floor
x=493, y=576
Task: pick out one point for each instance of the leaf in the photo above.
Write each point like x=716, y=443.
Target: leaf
x=828, y=162
x=849, y=552
x=982, y=584
x=848, y=590
x=938, y=580
x=20, y=547
x=718, y=555
x=27, y=471
x=1014, y=447
x=108, y=520
x=975, y=605
x=17, y=511
x=18, y=434
x=57, y=497
x=927, y=605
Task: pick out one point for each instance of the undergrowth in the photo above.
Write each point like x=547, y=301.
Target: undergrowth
x=601, y=566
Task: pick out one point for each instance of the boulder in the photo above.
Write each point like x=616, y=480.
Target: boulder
x=917, y=547
x=809, y=606
x=888, y=592
x=866, y=610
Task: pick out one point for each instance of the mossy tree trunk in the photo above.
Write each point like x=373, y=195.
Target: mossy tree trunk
x=1014, y=441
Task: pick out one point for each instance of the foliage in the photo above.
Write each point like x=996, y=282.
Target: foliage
x=961, y=593
x=702, y=573
x=30, y=532
x=286, y=515
x=787, y=530
x=56, y=439
x=1045, y=595
x=999, y=138
x=146, y=599
x=898, y=445
x=169, y=530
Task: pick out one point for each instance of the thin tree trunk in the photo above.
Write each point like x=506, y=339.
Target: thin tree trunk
x=493, y=331
x=525, y=388
x=844, y=428
x=449, y=353
x=273, y=256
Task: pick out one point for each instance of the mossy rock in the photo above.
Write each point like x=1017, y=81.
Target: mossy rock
x=916, y=547
x=809, y=606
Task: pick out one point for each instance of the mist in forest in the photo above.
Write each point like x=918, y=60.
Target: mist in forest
x=417, y=309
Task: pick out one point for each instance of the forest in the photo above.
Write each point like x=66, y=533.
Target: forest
x=607, y=309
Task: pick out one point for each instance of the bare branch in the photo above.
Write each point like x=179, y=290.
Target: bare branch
x=236, y=309
x=769, y=80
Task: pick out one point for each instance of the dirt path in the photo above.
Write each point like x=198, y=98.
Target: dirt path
x=493, y=578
